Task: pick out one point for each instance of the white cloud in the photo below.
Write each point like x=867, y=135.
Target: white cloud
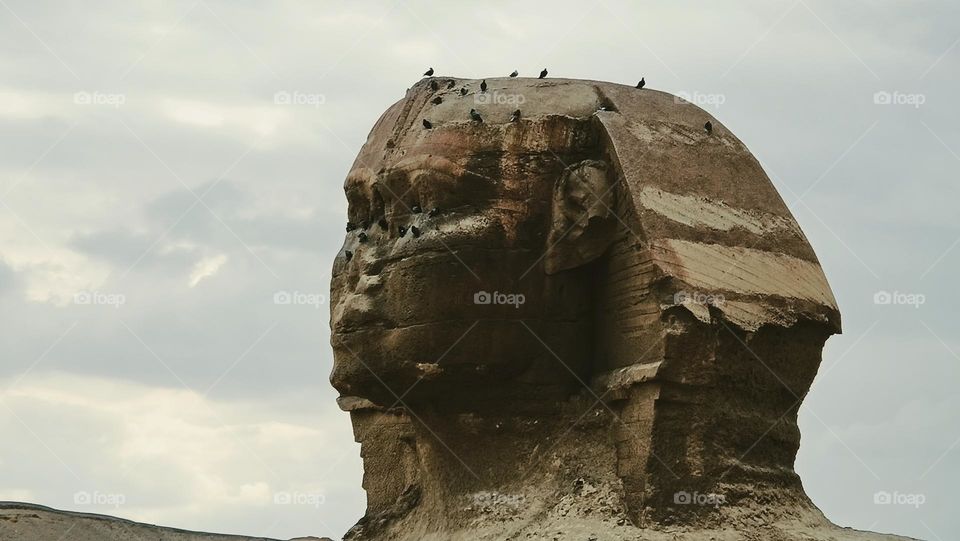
x=206, y=268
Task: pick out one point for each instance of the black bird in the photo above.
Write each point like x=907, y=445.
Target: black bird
x=463, y=91
x=415, y=230
x=434, y=86
x=515, y=73
x=475, y=115
x=437, y=101
x=427, y=124
x=362, y=237
x=428, y=73
x=483, y=85
x=451, y=84
x=416, y=209
x=709, y=127
x=383, y=223
x=351, y=226
x=543, y=73
x=515, y=116
x=642, y=83
x=348, y=254
x=402, y=230
x=433, y=212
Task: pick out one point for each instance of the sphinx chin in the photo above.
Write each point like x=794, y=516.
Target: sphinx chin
x=673, y=319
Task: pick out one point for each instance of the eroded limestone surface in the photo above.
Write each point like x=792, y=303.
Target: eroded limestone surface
x=672, y=320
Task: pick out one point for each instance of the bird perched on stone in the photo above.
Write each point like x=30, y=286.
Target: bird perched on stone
x=475, y=115
x=708, y=127
x=348, y=254
x=427, y=124
x=428, y=73
x=483, y=85
x=434, y=86
x=362, y=237
x=515, y=116
x=543, y=73
x=642, y=83
x=437, y=101
x=463, y=91
x=416, y=209
x=415, y=230
x=515, y=73
x=402, y=230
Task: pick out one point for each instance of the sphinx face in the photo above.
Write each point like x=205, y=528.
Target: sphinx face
x=440, y=285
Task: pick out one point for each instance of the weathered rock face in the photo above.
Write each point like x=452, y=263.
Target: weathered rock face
x=596, y=319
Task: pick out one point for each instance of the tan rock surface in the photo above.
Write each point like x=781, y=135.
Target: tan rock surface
x=602, y=328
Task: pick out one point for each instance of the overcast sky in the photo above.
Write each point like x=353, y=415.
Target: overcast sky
x=157, y=195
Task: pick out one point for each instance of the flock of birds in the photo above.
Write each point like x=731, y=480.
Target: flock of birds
x=475, y=115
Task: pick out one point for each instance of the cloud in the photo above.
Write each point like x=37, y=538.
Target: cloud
x=206, y=268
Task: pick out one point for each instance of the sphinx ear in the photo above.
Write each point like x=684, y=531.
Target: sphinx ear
x=583, y=223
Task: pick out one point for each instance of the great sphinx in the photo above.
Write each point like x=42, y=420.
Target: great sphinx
x=592, y=318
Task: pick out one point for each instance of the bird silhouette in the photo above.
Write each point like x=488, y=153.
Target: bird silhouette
x=437, y=101
x=428, y=73
x=483, y=85
x=434, y=86
x=709, y=127
x=642, y=83
x=515, y=73
x=427, y=124
x=475, y=115
x=543, y=73
x=515, y=116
